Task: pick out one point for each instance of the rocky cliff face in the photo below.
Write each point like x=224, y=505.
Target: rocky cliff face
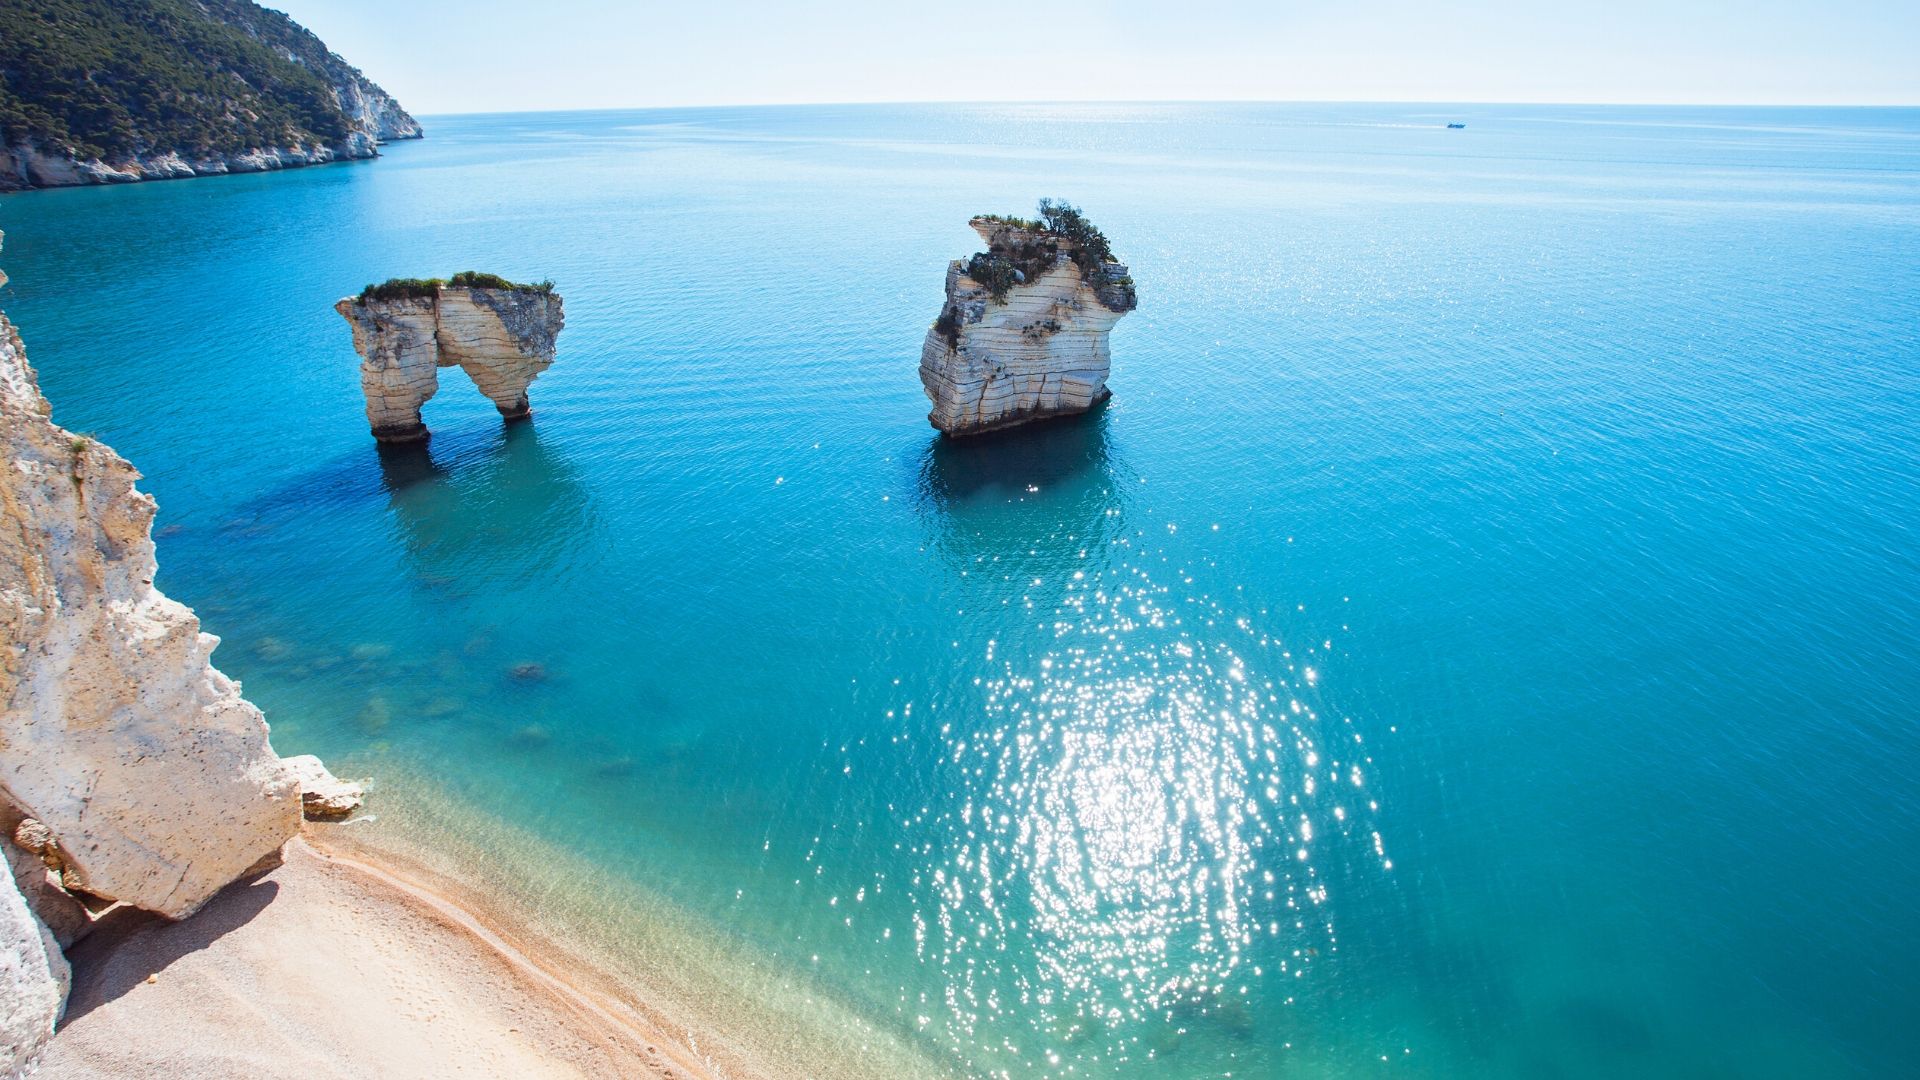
x=503, y=338
x=27, y=165
x=166, y=89
x=150, y=772
x=1038, y=348
x=33, y=982
x=130, y=769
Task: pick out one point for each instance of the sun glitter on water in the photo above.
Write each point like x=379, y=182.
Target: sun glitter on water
x=1143, y=802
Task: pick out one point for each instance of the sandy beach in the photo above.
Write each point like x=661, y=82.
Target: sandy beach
x=331, y=966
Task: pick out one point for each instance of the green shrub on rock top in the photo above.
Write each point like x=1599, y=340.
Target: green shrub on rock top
x=1015, y=222
x=427, y=288
x=1063, y=219
x=403, y=288
x=474, y=279
x=1014, y=259
x=995, y=272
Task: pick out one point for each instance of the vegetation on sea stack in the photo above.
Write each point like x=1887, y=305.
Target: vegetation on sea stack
x=996, y=273
x=403, y=288
x=1090, y=248
x=1032, y=246
x=412, y=288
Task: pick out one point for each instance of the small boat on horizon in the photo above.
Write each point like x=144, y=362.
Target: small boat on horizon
x=1456, y=125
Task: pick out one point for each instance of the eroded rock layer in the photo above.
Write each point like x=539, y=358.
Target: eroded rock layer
x=502, y=338
x=1037, y=350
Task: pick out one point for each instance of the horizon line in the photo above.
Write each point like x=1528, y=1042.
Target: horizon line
x=1190, y=101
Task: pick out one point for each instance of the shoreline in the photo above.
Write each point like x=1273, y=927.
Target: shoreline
x=709, y=992
x=24, y=167
x=337, y=962
x=445, y=900
x=587, y=983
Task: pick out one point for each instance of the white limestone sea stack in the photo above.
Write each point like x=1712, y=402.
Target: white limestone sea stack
x=130, y=769
x=1023, y=333
x=501, y=334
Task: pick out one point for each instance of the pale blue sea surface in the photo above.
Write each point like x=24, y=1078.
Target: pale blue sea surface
x=1481, y=637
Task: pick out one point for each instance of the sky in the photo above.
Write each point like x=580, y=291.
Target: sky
x=514, y=55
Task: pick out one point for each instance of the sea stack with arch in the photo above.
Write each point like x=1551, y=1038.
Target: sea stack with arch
x=1023, y=333
x=500, y=333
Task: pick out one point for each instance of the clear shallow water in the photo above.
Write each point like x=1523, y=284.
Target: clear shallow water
x=1480, y=635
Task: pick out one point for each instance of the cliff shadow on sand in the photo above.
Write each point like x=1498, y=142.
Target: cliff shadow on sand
x=127, y=946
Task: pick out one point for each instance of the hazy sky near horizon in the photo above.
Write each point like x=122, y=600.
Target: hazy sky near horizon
x=495, y=55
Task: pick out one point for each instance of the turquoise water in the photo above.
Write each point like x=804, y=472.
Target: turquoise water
x=1480, y=637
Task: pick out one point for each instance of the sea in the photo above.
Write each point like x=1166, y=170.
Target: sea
x=1480, y=637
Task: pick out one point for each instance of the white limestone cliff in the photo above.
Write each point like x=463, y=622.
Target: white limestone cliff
x=373, y=112
x=324, y=796
x=150, y=773
x=503, y=338
x=1036, y=351
x=27, y=165
x=130, y=769
x=33, y=983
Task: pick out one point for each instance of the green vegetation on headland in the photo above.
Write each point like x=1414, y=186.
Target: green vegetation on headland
x=426, y=288
x=110, y=78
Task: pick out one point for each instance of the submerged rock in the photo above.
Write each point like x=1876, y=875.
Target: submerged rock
x=531, y=737
x=323, y=795
x=440, y=706
x=145, y=766
x=1023, y=333
x=615, y=768
x=501, y=334
x=374, y=716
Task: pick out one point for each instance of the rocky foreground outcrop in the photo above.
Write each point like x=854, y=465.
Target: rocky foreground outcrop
x=501, y=334
x=33, y=982
x=130, y=769
x=1023, y=333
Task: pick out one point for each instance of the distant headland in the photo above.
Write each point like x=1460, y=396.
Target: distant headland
x=169, y=89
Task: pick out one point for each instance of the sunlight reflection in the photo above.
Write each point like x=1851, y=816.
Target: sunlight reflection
x=1138, y=809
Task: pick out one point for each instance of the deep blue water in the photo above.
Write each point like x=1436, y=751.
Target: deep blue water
x=1481, y=637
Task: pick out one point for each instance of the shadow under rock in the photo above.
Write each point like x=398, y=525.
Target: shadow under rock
x=1000, y=465
x=127, y=945
x=1048, y=491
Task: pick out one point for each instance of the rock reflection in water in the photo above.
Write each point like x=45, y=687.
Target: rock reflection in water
x=504, y=511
